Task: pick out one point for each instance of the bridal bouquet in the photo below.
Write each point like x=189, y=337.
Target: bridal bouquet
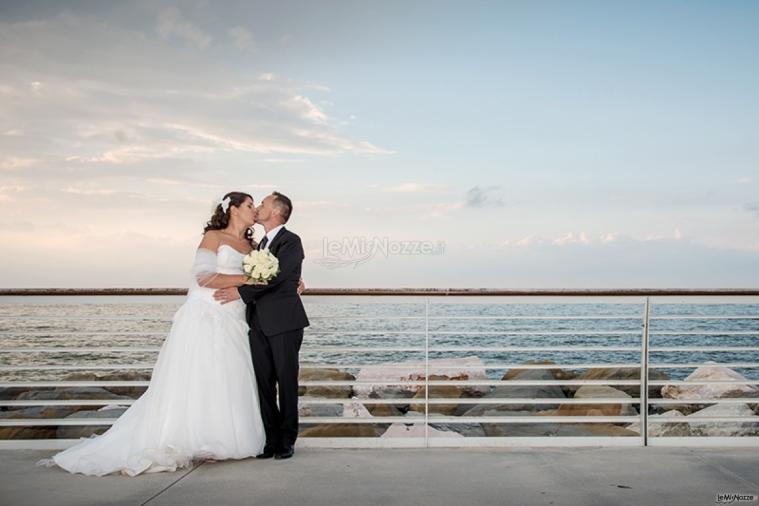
x=260, y=266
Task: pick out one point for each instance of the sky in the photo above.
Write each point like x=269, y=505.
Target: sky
x=424, y=144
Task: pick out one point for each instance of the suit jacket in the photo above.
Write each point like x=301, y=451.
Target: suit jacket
x=277, y=305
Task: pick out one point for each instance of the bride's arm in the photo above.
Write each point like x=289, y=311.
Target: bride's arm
x=205, y=273
x=218, y=280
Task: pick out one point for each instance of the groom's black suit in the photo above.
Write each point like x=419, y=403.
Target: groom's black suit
x=277, y=318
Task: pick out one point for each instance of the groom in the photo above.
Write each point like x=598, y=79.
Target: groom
x=276, y=318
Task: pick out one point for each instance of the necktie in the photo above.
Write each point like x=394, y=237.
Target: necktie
x=265, y=240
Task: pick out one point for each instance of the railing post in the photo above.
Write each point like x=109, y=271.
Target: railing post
x=644, y=374
x=427, y=373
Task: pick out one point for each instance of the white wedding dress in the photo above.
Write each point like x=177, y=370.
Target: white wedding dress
x=202, y=401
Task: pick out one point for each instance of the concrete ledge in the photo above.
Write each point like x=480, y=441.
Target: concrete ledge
x=582, y=476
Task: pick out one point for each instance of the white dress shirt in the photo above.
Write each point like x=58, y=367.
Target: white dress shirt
x=271, y=234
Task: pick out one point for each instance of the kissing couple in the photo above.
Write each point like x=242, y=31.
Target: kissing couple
x=232, y=346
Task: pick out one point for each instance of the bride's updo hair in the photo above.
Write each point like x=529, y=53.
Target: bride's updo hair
x=220, y=218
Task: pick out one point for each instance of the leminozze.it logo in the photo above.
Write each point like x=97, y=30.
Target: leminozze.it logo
x=355, y=251
x=731, y=498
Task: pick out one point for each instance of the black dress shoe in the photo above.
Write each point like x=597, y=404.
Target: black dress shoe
x=266, y=454
x=285, y=452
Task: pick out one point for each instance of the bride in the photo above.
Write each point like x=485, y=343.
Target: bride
x=202, y=400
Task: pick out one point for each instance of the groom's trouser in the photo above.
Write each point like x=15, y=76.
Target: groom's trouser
x=275, y=360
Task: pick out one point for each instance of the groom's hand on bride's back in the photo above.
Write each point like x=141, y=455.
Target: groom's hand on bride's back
x=301, y=286
x=225, y=295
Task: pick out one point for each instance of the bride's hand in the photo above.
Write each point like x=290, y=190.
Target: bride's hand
x=301, y=286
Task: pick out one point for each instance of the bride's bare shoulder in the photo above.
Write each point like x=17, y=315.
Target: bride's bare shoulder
x=211, y=240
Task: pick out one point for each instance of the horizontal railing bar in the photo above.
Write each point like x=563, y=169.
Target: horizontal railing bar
x=389, y=317
x=699, y=419
x=113, y=383
x=74, y=367
x=365, y=332
x=359, y=317
x=718, y=364
x=34, y=422
x=523, y=419
x=542, y=333
x=401, y=333
x=411, y=400
x=340, y=349
x=103, y=349
x=533, y=348
x=525, y=382
x=603, y=317
x=688, y=317
x=568, y=419
x=306, y=401
x=348, y=349
x=54, y=384
x=81, y=349
x=330, y=318
x=70, y=402
x=679, y=333
x=465, y=368
x=467, y=333
x=26, y=422
x=702, y=348
x=722, y=400
x=497, y=292
x=83, y=333
x=477, y=400
x=468, y=368
x=344, y=349
x=705, y=382
x=476, y=419
x=404, y=333
x=46, y=422
x=87, y=318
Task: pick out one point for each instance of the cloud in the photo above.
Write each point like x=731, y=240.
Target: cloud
x=530, y=240
x=112, y=102
x=539, y=263
x=585, y=239
x=89, y=190
x=282, y=160
x=241, y=38
x=321, y=204
x=752, y=207
x=571, y=238
x=7, y=190
x=489, y=196
x=165, y=181
x=12, y=163
x=172, y=24
x=676, y=236
x=306, y=109
x=414, y=188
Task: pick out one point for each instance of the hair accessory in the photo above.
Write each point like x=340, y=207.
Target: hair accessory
x=224, y=203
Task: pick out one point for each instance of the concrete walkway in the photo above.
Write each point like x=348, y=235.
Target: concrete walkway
x=582, y=476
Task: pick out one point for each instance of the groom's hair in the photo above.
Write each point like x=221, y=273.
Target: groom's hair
x=284, y=204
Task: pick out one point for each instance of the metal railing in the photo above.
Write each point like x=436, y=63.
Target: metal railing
x=428, y=399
